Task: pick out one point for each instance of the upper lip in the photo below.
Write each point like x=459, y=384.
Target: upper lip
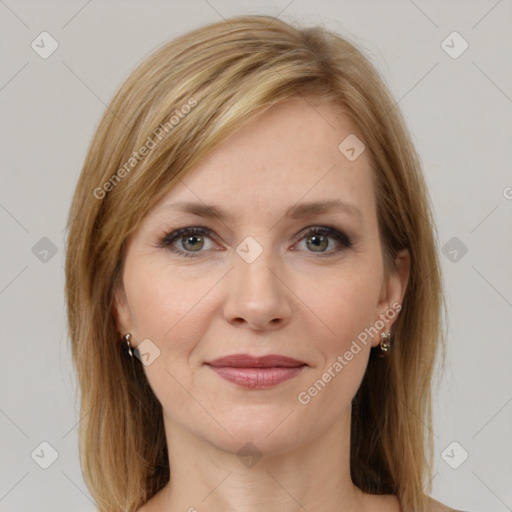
x=248, y=361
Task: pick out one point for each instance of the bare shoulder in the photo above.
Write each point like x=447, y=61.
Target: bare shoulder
x=437, y=506
x=390, y=503
x=154, y=504
x=147, y=507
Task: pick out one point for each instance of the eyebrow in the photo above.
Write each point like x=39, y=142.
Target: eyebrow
x=295, y=212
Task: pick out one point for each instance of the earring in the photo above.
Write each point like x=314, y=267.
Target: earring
x=385, y=343
x=126, y=345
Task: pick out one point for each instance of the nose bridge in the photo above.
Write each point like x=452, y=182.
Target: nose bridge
x=256, y=293
x=255, y=264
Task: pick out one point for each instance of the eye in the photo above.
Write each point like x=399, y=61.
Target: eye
x=191, y=240
x=187, y=241
x=317, y=239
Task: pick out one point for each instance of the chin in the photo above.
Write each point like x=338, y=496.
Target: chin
x=267, y=429
x=250, y=441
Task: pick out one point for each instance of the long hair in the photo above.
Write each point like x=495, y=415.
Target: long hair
x=177, y=106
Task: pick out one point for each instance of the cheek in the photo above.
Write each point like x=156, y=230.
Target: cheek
x=345, y=302
x=346, y=307
x=164, y=310
x=162, y=301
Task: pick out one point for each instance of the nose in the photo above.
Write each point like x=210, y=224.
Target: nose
x=257, y=295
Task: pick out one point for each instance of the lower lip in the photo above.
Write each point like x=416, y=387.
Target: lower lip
x=256, y=378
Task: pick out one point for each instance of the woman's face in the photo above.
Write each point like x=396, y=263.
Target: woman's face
x=255, y=279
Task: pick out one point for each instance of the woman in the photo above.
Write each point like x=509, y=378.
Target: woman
x=253, y=291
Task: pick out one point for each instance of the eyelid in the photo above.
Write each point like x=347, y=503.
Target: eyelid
x=324, y=230
x=170, y=236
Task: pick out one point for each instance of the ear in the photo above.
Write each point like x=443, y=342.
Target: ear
x=121, y=311
x=393, y=292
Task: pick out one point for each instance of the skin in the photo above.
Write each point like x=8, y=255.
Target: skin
x=295, y=299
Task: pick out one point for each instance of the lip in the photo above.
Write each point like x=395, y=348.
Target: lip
x=248, y=361
x=256, y=372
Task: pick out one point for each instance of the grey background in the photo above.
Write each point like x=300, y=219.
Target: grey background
x=459, y=113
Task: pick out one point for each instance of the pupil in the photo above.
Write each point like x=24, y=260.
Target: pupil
x=191, y=239
x=319, y=240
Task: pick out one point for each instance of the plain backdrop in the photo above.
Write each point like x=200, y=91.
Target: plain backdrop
x=458, y=108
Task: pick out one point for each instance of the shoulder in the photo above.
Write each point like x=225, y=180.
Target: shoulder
x=437, y=506
x=390, y=503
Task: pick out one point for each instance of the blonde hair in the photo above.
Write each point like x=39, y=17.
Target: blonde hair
x=227, y=73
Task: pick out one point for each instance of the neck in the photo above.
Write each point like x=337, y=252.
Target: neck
x=312, y=476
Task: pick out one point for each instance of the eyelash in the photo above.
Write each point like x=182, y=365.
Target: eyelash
x=168, y=239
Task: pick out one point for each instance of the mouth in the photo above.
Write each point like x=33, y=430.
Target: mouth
x=256, y=372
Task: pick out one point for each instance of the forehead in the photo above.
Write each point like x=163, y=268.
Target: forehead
x=288, y=154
